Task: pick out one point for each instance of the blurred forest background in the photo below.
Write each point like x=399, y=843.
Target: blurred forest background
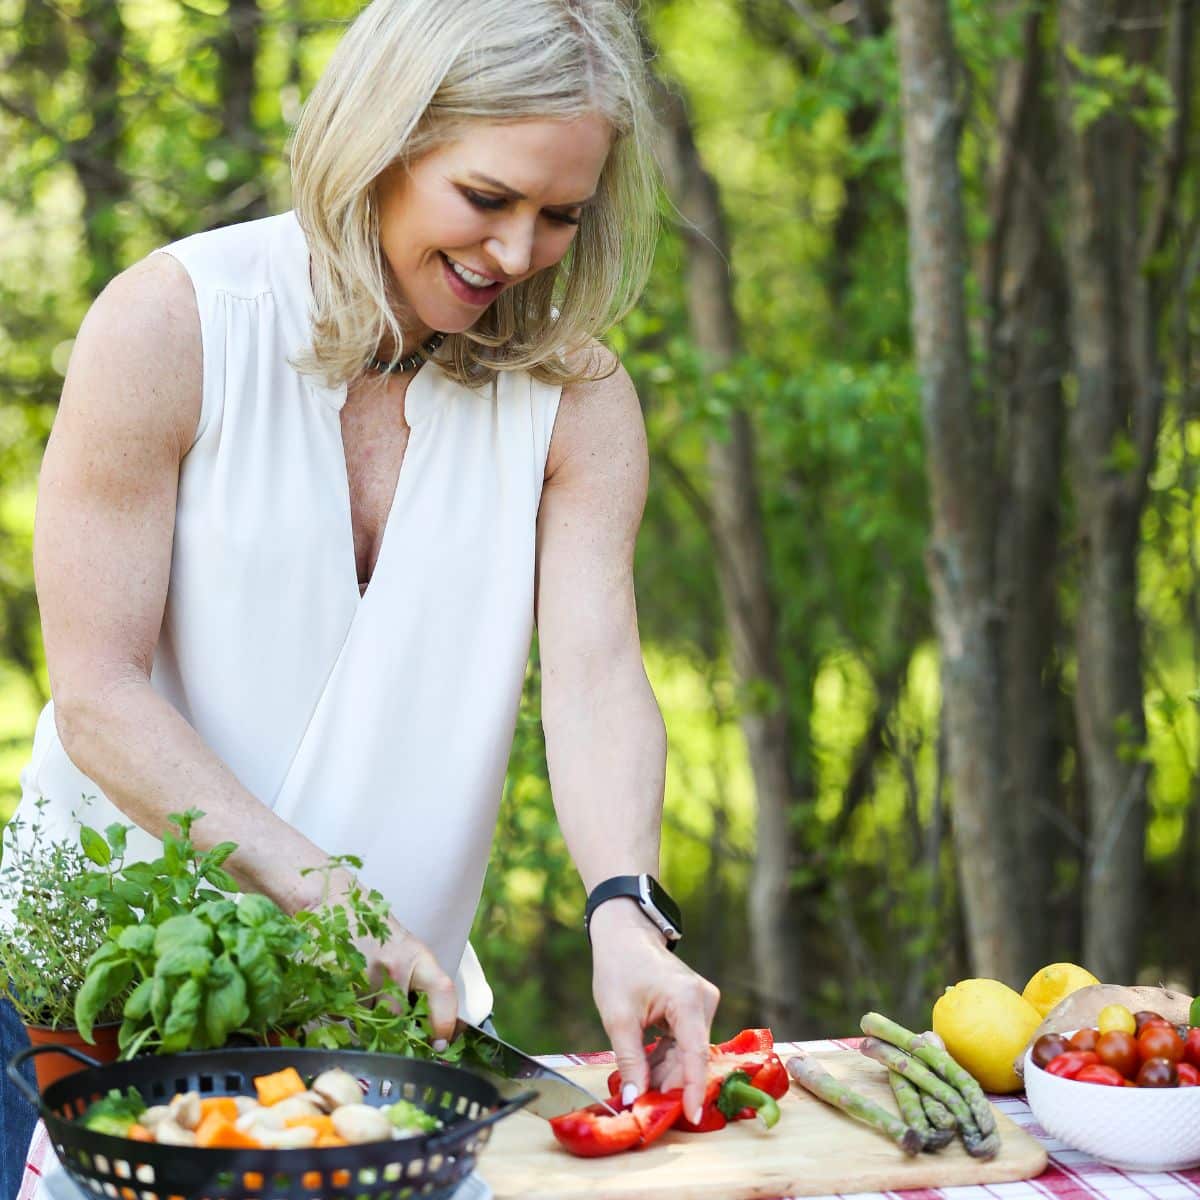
x=918, y=579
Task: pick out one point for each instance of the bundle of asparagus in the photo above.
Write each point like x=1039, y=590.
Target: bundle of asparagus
x=935, y=1096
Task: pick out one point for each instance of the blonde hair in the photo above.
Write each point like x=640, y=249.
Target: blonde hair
x=405, y=79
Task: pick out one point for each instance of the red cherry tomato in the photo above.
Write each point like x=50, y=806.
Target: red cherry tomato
x=1068, y=1065
x=1120, y=1051
x=1085, y=1039
x=1158, y=1073
x=1189, y=1076
x=1146, y=1017
x=1099, y=1073
x=1160, y=1041
x=1191, y=1046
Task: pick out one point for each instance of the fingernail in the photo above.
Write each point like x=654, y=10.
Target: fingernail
x=697, y=1116
x=629, y=1093
x=439, y=1045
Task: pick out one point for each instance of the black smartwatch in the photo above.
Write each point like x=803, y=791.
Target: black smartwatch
x=651, y=898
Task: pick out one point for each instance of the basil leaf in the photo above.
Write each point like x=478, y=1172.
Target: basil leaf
x=94, y=846
x=137, y=939
x=183, y=930
x=102, y=985
x=225, y=1007
x=180, y=1026
x=184, y=960
x=254, y=910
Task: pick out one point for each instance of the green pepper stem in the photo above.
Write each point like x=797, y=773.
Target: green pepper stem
x=737, y=1092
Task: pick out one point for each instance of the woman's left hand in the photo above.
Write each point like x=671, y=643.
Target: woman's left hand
x=638, y=982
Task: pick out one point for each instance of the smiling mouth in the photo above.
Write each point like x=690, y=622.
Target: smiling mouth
x=462, y=282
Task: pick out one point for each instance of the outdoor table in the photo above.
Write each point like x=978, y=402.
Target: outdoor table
x=1070, y=1175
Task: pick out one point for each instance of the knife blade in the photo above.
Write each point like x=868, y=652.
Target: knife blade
x=513, y=1072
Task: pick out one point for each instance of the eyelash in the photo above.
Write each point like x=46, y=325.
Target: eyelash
x=494, y=203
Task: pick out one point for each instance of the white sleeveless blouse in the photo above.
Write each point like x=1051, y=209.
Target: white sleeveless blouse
x=377, y=725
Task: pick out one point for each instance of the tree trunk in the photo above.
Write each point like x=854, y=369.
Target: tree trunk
x=1114, y=316
x=97, y=156
x=959, y=446
x=1027, y=340
x=743, y=572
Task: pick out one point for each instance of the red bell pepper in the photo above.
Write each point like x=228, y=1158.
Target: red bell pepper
x=593, y=1131
x=747, y=1042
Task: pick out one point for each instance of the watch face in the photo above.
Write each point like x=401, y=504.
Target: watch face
x=663, y=902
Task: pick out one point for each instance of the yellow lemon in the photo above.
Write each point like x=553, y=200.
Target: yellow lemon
x=1054, y=983
x=985, y=1026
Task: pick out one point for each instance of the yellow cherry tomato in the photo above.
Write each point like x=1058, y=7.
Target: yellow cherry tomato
x=1116, y=1018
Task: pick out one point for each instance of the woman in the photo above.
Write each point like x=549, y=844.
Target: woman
x=248, y=414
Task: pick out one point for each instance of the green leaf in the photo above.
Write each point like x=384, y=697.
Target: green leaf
x=225, y=1005
x=137, y=1007
x=182, y=930
x=221, y=879
x=180, y=1027
x=116, y=834
x=138, y=939
x=94, y=846
x=1194, y=1012
x=101, y=987
x=254, y=910
x=184, y=960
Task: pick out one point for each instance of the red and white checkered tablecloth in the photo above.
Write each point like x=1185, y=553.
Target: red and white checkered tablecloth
x=1070, y=1175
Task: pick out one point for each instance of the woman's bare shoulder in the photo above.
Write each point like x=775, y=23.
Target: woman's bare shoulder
x=138, y=359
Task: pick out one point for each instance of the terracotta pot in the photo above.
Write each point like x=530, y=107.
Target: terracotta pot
x=52, y=1067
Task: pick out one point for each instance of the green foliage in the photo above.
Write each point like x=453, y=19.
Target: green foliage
x=1110, y=85
x=55, y=928
x=207, y=962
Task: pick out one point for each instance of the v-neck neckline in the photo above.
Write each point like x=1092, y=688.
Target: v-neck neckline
x=415, y=397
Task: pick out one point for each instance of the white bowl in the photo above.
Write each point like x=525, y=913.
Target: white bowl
x=1135, y=1129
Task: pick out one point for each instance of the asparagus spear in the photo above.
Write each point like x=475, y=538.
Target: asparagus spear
x=908, y=1101
x=877, y=1025
x=812, y=1076
x=979, y=1145
x=940, y=1117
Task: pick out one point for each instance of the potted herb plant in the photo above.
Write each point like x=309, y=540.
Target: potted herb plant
x=51, y=930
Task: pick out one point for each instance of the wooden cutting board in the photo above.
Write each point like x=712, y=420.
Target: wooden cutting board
x=814, y=1150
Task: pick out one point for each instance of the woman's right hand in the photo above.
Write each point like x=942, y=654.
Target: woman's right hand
x=411, y=965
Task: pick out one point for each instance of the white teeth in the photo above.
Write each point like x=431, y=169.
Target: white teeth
x=471, y=277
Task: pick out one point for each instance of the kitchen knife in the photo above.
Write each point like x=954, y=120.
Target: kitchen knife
x=514, y=1072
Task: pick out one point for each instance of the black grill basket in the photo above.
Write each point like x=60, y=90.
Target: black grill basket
x=429, y=1165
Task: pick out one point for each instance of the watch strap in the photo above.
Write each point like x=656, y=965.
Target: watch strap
x=637, y=888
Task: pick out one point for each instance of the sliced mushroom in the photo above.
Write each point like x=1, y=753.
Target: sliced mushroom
x=185, y=1110
x=321, y=1101
x=337, y=1087
x=299, y=1137
x=296, y=1106
x=359, y=1123
x=246, y=1104
x=153, y=1116
x=171, y=1133
x=260, y=1119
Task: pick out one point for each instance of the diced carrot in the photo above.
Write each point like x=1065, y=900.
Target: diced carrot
x=339, y=1178
x=225, y=1105
x=252, y=1181
x=217, y=1133
x=139, y=1133
x=279, y=1086
x=322, y=1124
x=310, y=1179
x=328, y=1141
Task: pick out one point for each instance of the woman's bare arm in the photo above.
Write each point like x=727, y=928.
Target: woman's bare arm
x=102, y=555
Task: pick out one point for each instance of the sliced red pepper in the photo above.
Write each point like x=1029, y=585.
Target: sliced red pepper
x=747, y=1042
x=738, y=1095
x=772, y=1078
x=593, y=1132
x=1068, y=1064
x=711, y=1118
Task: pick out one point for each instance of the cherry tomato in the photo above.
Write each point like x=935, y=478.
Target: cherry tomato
x=1085, y=1039
x=1115, y=1016
x=1120, y=1051
x=1146, y=1017
x=1191, y=1046
x=1051, y=1045
x=1099, y=1073
x=1160, y=1041
x=1068, y=1065
x=1189, y=1076
x=1158, y=1073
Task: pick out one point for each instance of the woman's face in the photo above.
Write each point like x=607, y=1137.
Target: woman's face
x=486, y=211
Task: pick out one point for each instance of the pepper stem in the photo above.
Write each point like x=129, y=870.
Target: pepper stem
x=737, y=1093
